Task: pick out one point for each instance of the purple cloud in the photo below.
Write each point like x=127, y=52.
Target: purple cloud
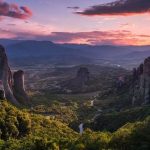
x=119, y=7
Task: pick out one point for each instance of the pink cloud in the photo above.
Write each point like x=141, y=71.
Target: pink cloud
x=14, y=11
x=120, y=37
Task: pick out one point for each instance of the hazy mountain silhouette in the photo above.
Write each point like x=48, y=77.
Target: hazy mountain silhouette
x=49, y=52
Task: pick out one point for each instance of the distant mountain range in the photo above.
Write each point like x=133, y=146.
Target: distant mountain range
x=27, y=52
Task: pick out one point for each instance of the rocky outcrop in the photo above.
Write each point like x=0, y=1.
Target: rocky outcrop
x=7, y=79
x=79, y=83
x=83, y=76
x=18, y=87
x=141, y=83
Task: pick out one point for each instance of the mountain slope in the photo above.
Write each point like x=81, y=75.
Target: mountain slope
x=40, y=52
x=113, y=121
x=72, y=54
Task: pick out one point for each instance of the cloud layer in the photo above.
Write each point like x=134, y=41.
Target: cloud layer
x=119, y=7
x=120, y=37
x=13, y=10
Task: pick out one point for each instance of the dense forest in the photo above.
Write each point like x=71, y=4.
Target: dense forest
x=23, y=130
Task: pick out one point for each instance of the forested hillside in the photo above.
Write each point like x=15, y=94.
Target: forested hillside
x=21, y=130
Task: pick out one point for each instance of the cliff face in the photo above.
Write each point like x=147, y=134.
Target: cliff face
x=10, y=81
x=141, y=83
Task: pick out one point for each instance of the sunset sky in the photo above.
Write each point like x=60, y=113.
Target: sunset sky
x=121, y=22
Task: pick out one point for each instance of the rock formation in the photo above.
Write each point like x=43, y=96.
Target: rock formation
x=18, y=87
x=141, y=83
x=82, y=76
x=79, y=83
x=7, y=80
